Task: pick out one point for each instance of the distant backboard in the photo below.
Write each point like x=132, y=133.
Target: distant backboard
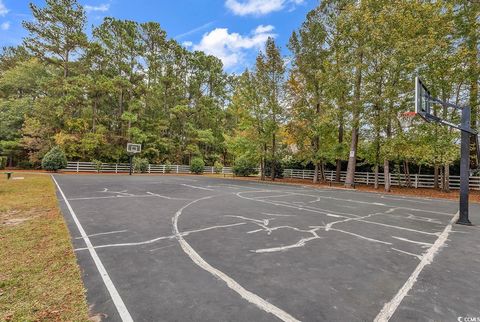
x=422, y=98
x=134, y=148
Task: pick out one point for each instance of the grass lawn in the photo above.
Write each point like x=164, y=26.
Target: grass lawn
x=39, y=276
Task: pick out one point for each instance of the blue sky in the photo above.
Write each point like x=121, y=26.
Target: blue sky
x=233, y=30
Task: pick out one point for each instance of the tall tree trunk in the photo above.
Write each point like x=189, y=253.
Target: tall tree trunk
x=120, y=106
x=273, y=157
x=264, y=155
x=406, y=172
x=474, y=73
x=435, y=176
x=352, y=160
x=386, y=174
x=338, y=170
x=446, y=180
x=340, y=141
x=377, y=154
x=316, y=139
x=473, y=121
x=94, y=113
x=322, y=171
x=65, y=67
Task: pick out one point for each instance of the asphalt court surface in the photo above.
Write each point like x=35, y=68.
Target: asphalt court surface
x=196, y=248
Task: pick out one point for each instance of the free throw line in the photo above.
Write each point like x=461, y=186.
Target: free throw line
x=389, y=308
x=117, y=300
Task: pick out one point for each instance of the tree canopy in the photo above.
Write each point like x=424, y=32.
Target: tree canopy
x=336, y=100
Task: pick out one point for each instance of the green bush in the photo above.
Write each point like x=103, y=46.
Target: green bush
x=26, y=165
x=140, y=165
x=244, y=167
x=218, y=167
x=54, y=160
x=168, y=167
x=3, y=163
x=278, y=169
x=97, y=165
x=197, y=166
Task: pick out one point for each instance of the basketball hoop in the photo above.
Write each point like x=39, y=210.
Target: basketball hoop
x=409, y=114
x=408, y=118
x=423, y=107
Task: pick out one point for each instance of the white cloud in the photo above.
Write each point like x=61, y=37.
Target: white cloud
x=258, y=7
x=262, y=29
x=5, y=25
x=3, y=9
x=187, y=44
x=232, y=48
x=101, y=8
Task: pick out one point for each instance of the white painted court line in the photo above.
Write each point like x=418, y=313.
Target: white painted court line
x=231, y=283
x=273, y=196
x=151, y=241
x=239, y=194
x=237, y=186
x=105, y=233
x=196, y=187
x=398, y=227
x=277, y=215
x=360, y=236
x=301, y=243
x=372, y=203
x=164, y=197
x=117, y=300
x=407, y=253
x=390, y=307
x=110, y=197
x=424, y=245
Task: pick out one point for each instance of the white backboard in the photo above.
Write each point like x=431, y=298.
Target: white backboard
x=134, y=148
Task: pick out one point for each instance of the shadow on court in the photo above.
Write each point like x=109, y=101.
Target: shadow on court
x=193, y=248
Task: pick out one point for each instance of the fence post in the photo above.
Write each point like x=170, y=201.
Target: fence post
x=416, y=180
x=368, y=178
x=78, y=166
x=303, y=174
x=331, y=176
x=116, y=167
x=177, y=168
x=149, y=168
x=163, y=168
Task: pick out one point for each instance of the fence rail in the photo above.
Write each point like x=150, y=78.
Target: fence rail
x=125, y=168
x=368, y=178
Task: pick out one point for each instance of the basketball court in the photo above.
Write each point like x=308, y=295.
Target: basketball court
x=195, y=248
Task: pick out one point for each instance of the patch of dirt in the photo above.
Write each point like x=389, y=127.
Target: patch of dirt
x=16, y=217
x=98, y=317
x=15, y=221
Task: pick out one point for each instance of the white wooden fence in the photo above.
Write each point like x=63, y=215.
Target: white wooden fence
x=125, y=168
x=416, y=180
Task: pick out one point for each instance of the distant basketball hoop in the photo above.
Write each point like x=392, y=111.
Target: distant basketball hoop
x=133, y=148
x=409, y=114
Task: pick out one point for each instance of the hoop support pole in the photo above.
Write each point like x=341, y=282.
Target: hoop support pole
x=464, y=168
